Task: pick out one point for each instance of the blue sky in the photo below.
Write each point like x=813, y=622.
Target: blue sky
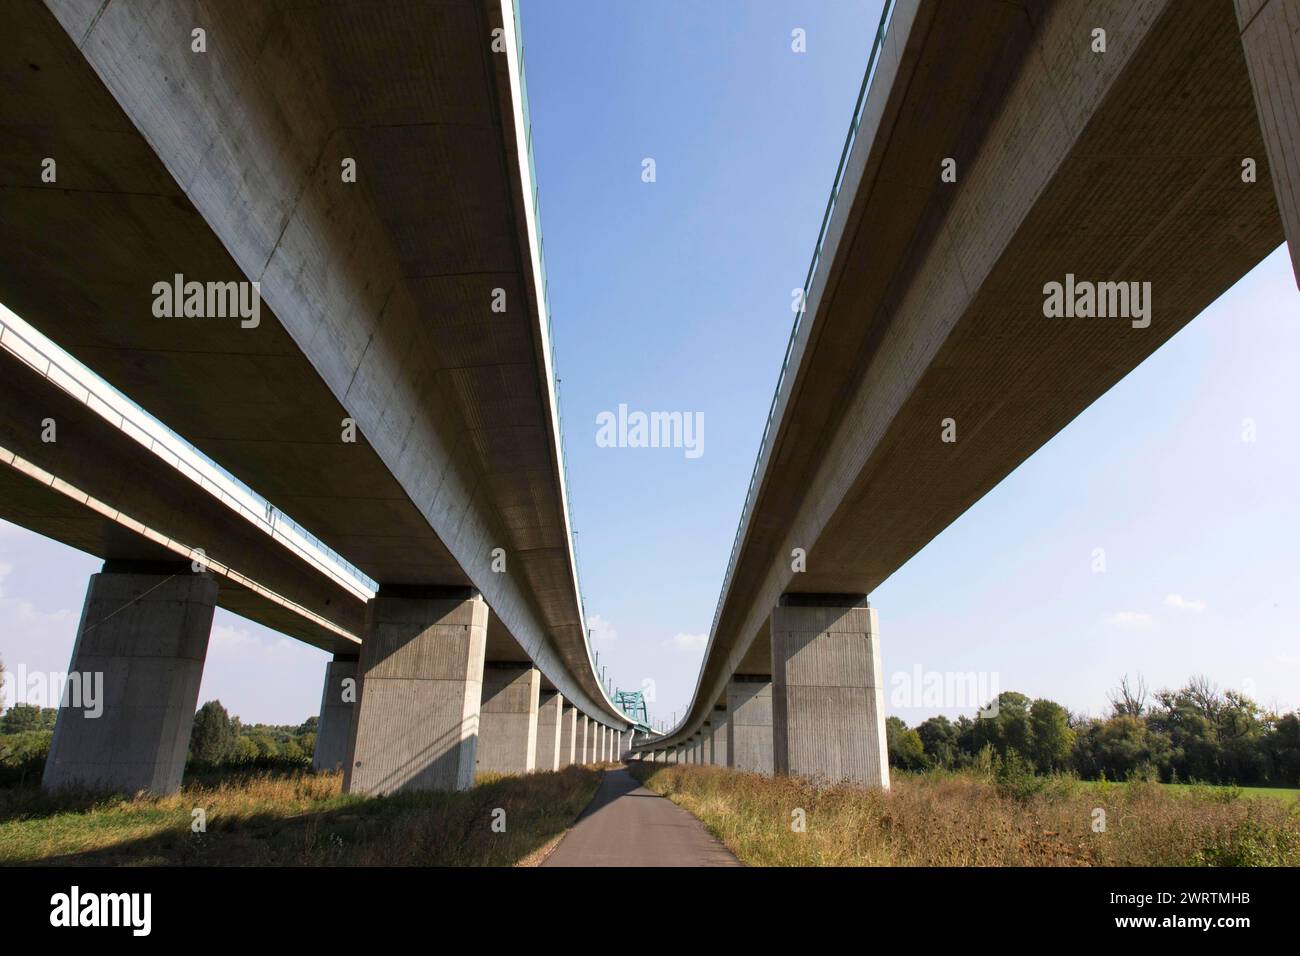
x=675, y=296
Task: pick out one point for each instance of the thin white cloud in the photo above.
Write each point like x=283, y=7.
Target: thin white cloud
x=602, y=632
x=1181, y=603
x=688, y=642
x=1130, y=620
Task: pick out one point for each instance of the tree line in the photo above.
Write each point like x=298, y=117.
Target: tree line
x=1196, y=733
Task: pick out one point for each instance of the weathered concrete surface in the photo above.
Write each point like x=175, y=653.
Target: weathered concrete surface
x=569, y=736
x=550, y=710
x=628, y=825
x=749, y=723
x=584, y=732
x=337, y=704
x=1270, y=36
x=377, y=293
x=828, y=695
x=928, y=299
x=507, y=723
x=140, y=648
x=718, y=734
x=417, y=722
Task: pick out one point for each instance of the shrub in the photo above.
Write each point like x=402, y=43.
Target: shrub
x=212, y=739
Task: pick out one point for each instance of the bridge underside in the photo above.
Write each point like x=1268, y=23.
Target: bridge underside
x=376, y=294
x=928, y=306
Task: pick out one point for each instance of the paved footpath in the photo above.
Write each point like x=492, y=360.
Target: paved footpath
x=628, y=825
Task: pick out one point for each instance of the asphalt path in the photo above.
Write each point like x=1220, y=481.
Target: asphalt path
x=627, y=825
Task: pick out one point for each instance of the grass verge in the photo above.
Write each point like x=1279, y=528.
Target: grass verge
x=946, y=819
x=297, y=819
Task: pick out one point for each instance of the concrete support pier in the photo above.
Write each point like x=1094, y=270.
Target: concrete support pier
x=124, y=722
x=568, y=735
x=749, y=723
x=337, y=703
x=507, y=723
x=583, y=732
x=828, y=697
x=718, y=736
x=1270, y=37
x=550, y=718
x=416, y=724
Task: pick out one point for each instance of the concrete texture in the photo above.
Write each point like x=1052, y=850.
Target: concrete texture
x=102, y=491
x=628, y=825
x=417, y=722
x=718, y=734
x=584, y=732
x=144, y=636
x=337, y=704
x=507, y=723
x=749, y=724
x=828, y=696
x=568, y=736
x=376, y=294
x=550, y=710
x=927, y=302
x=1270, y=36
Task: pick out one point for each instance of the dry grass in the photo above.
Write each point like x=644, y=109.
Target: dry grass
x=298, y=819
x=963, y=820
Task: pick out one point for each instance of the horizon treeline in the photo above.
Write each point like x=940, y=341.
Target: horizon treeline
x=1196, y=733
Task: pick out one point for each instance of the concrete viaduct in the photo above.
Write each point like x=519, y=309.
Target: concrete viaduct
x=926, y=368
x=369, y=167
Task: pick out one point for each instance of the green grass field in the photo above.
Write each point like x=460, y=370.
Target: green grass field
x=1285, y=794
x=297, y=819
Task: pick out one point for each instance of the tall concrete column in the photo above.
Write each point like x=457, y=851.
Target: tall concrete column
x=828, y=697
x=125, y=718
x=550, y=714
x=600, y=743
x=749, y=723
x=507, y=725
x=337, y=702
x=1270, y=37
x=593, y=732
x=569, y=736
x=415, y=726
x=584, y=731
x=718, y=724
